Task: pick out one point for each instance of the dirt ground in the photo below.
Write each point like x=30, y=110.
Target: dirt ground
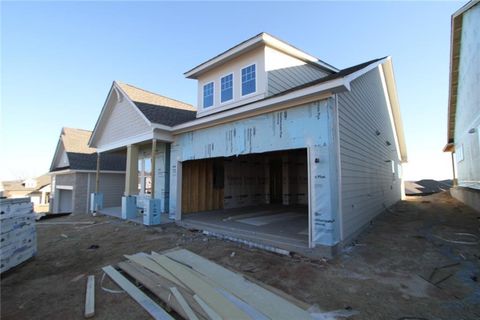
x=383, y=276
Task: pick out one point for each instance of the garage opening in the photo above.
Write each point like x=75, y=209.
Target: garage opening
x=65, y=201
x=262, y=196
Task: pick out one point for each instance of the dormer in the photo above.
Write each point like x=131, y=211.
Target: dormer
x=257, y=68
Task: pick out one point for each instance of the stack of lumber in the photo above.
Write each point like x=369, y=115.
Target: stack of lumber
x=196, y=288
x=18, y=240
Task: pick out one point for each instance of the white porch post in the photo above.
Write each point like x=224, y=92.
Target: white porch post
x=153, y=158
x=96, y=199
x=131, y=175
x=97, y=177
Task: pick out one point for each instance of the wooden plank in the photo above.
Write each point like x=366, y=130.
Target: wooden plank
x=202, y=185
x=268, y=303
x=202, y=288
x=151, y=265
x=90, y=297
x=211, y=313
x=141, y=298
x=209, y=191
x=181, y=300
x=159, y=286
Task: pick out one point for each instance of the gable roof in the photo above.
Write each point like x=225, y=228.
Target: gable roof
x=256, y=41
x=455, y=43
x=74, y=140
x=157, y=108
x=74, y=143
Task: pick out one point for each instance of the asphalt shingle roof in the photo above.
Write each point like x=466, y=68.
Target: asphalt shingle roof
x=165, y=115
x=82, y=157
x=108, y=162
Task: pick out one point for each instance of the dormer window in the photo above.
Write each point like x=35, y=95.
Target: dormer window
x=208, y=95
x=227, y=88
x=248, y=80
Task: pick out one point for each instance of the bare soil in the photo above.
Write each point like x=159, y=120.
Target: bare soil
x=386, y=274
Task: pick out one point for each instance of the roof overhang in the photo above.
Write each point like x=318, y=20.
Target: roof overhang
x=391, y=86
x=455, y=44
x=262, y=39
x=70, y=171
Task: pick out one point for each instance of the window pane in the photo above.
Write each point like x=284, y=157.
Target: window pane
x=148, y=165
x=248, y=80
x=208, y=95
x=227, y=88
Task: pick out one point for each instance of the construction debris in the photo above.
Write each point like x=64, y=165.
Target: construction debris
x=90, y=297
x=17, y=229
x=197, y=288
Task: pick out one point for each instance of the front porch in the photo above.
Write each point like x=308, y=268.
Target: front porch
x=145, y=195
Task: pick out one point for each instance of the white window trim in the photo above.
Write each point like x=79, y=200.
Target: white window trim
x=233, y=88
x=460, y=153
x=256, y=80
x=203, y=95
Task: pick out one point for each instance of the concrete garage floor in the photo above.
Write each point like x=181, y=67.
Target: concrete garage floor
x=384, y=276
x=279, y=226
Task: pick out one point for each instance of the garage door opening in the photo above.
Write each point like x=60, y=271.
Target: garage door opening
x=262, y=197
x=65, y=204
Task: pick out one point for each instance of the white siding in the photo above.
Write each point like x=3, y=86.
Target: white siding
x=468, y=102
x=285, y=72
x=123, y=122
x=367, y=181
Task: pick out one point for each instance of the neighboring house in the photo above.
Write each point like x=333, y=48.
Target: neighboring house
x=40, y=196
x=16, y=189
x=37, y=189
x=73, y=172
x=464, y=104
x=284, y=152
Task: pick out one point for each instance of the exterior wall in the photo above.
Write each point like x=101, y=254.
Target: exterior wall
x=285, y=72
x=467, y=119
x=235, y=65
x=112, y=186
x=305, y=126
x=124, y=122
x=370, y=166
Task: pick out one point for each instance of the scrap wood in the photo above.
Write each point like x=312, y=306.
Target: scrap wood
x=270, y=302
x=143, y=260
x=185, y=306
x=90, y=297
x=211, y=313
x=63, y=223
x=141, y=298
x=202, y=288
x=160, y=287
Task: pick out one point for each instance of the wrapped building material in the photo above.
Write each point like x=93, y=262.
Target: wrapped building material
x=18, y=240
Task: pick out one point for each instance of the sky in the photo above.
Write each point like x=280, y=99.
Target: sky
x=58, y=61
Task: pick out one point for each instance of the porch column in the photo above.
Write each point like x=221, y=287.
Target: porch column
x=154, y=152
x=454, y=182
x=97, y=177
x=131, y=175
